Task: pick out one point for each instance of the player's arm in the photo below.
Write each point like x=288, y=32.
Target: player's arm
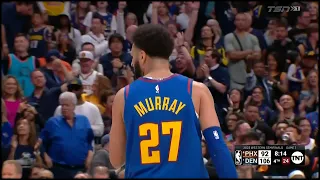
x=117, y=132
x=218, y=150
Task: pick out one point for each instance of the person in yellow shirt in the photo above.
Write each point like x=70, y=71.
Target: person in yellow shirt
x=100, y=85
x=54, y=9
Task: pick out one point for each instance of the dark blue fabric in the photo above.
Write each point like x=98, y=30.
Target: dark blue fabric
x=106, y=59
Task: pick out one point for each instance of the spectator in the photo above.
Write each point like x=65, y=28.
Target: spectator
x=40, y=36
x=183, y=64
x=314, y=11
x=65, y=29
x=241, y=128
x=277, y=79
x=28, y=112
x=235, y=101
x=285, y=110
x=295, y=75
x=241, y=47
x=54, y=9
x=79, y=14
x=100, y=172
x=107, y=98
x=76, y=63
x=265, y=111
x=299, y=33
x=305, y=126
x=21, y=64
x=258, y=33
x=66, y=48
x=281, y=45
x=257, y=77
x=100, y=85
x=12, y=96
x=101, y=157
x=128, y=41
x=87, y=74
x=109, y=20
x=15, y=20
x=251, y=115
x=216, y=78
x=270, y=34
x=96, y=36
x=42, y=95
x=84, y=108
x=5, y=127
x=63, y=130
x=280, y=129
x=56, y=70
x=22, y=146
x=115, y=62
x=36, y=170
x=46, y=174
x=231, y=120
x=160, y=13
x=11, y=169
x=313, y=117
x=311, y=44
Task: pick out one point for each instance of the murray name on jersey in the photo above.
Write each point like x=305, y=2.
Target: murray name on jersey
x=159, y=103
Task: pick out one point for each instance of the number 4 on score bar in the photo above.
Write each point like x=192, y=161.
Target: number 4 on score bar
x=286, y=161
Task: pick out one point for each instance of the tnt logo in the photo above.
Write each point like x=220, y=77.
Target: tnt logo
x=285, y=161
x=297, y=157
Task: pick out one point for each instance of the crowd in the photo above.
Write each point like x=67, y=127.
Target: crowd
x=63, y=62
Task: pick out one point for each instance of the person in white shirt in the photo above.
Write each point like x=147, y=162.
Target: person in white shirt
x=96, y=36
x=76, y=63
x=85, y=108
x=87, y=73
x=108, y=18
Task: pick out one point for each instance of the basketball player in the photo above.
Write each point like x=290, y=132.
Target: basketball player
x=155, y=129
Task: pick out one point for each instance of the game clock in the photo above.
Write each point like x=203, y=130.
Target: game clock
x=269, y=155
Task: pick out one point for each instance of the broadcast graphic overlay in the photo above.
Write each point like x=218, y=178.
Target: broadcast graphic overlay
x=269, y=155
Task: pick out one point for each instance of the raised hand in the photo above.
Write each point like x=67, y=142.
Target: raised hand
x=180, y=39
x=230, y=101
x=279, y=107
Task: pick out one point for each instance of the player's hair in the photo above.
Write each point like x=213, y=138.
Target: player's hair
x=86, y=43
x=296, y=127
x=249, y=136
x=16, y=164
x=155, y=40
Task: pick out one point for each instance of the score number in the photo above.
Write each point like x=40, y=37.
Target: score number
x=264, y=157
x=172, y=127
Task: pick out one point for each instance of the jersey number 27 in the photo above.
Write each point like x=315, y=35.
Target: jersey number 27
x=172, y=127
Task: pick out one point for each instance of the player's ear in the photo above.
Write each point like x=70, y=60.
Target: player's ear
x=143, y=57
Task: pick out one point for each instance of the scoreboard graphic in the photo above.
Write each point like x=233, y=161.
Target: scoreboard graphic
x=269, y=155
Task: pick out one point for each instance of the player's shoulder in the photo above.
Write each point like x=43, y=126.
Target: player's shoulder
x=199, y=87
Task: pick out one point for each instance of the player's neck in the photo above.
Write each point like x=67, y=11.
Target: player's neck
x=158, y=69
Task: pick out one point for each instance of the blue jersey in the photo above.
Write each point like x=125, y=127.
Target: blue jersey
x=162, y=130
x=38, y=42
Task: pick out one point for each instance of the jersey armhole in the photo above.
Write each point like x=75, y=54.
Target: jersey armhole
x=126, y=92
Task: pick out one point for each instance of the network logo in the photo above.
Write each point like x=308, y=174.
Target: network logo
x=297, y=157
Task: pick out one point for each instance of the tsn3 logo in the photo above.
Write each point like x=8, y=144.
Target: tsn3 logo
x=297, y=157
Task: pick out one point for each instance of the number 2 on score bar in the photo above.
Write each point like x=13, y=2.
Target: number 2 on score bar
x=154, y=158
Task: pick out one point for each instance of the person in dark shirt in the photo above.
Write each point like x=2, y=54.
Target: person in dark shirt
x=107, y=98
x=114, y=62
x=22, y=146
x=42, y=95
x=252, y=117
x=265, y=111
x=299, y=33
x=217, y=79
x=15, y=17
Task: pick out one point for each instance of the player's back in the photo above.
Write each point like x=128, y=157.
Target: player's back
x=162, y=130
